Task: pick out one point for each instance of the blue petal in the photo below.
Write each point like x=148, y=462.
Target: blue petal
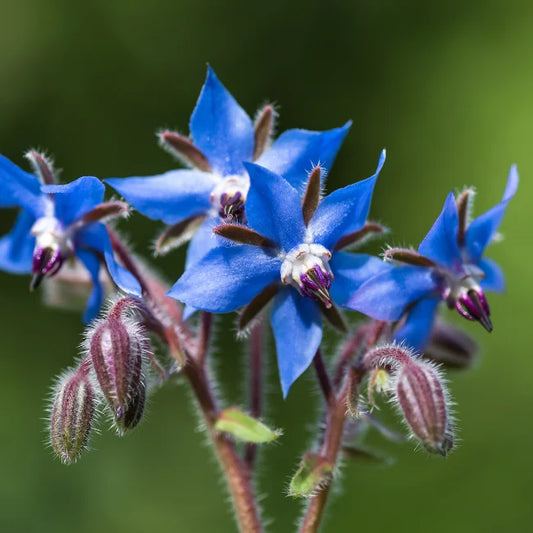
x=95, y=237
x=481, y=231
x=227, y=278
x=297, y=326
x=351, y=271
x=386, y=296
x=494, y=278
x=344, y=210
x=170, y=197
x=94, y=304
x=18, y=188
x=76, y=198
x=295, y=152
x=221, y=129
x=16, y=248
x=440, y=244
x=202, y=242
x=416, y=330
x=274, y=208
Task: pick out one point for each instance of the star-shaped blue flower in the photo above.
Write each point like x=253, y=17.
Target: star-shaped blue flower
x=449, y=266
x=56, y=223
x=292, y=253
x=223, y=137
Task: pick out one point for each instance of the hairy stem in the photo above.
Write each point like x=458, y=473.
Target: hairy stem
x=256, y=386
x=336, y=417
x=164, y=310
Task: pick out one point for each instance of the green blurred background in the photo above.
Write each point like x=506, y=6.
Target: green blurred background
x=447, y=88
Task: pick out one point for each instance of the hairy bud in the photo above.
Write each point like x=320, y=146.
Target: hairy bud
x=421, y=396
x=116, y=349
x=419, y=393
x=72, y=415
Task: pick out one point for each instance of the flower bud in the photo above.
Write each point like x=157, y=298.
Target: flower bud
x=116, y=350
x=422, y=399
x=451, y=347
x=72, y=415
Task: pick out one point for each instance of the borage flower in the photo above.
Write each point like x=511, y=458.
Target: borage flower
x=215, y=189
x=56, y=224
x=289, y=251
x=449, y=266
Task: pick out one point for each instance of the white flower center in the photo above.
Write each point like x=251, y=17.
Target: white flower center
x=306, y=267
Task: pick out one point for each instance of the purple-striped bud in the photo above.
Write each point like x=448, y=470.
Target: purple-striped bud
x=116, y=349
x=422, y=398
x=72, y=415
x=419, y=393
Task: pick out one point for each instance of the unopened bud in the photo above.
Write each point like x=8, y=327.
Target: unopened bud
x=72, y=415
x=419, y=393
x=421, y=397
x=451, y=347
x=116, y=349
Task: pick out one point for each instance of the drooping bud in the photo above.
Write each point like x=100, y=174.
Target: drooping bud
x=421, y=397
x=419, y=393
x=116, y=348
x=306, y=267
x=229, y=197
x=450, y=346
x=72, y=415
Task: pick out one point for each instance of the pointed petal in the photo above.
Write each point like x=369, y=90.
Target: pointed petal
x=344, y=210
x=221, y=129
x=297, y=326
x=440, y=244
x=296, y=151
x=386, y=296
x=481, y=230
x=16, y=248
x=416, y=330
x=227, y=278
x=19, y=188
x=170, y=197
x=75, y=198
x=274, y=208
x=96, y=238
x=494, y=278
x=351, y=271
x=94, y=304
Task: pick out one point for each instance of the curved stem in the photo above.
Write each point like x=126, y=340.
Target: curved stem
x=336, y=417
x=165, y=310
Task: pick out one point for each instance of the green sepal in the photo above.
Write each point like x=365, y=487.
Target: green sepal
x=314, y=473
x=244, y=427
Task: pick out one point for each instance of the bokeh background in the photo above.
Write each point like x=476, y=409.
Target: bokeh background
x=446, y=87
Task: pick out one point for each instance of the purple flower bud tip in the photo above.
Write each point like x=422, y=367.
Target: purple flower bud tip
x=72, y=415
x=473, y=305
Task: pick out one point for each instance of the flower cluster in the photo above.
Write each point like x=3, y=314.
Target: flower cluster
x=262, y=234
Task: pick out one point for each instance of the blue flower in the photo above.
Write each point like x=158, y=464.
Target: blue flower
x=223, y=137
x=449, y=266
x=292, y=252
x=56, y=223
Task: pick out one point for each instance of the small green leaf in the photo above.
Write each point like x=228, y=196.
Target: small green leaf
x=314, y=472
x=233, y=421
